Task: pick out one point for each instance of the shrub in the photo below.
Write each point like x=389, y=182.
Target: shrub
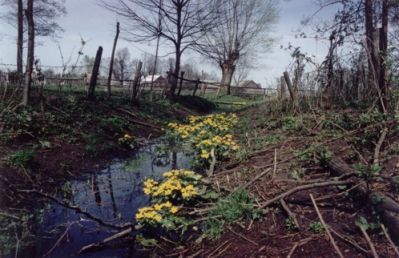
x=21, y=159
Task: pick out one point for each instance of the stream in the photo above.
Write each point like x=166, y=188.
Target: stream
x=113, y=194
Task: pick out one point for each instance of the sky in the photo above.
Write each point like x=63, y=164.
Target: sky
x=97, y=25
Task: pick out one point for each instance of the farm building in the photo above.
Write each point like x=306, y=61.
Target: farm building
x=159, y=79
x=249, y=84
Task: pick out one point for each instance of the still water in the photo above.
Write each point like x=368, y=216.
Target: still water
x=113, y=194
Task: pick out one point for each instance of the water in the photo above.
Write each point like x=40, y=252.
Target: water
x=113, y=194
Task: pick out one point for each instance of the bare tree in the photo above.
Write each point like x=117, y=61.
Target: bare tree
x=362, y=24
x=45, y=14
x=20, y=37
x=150, y=65
x=182, y=23
x=243, y=67
x=123, y=67
x=31, y=56
x=239, y=28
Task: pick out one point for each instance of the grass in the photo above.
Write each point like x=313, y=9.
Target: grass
x=231, y=208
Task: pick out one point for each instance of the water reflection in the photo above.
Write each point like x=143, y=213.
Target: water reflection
x=113, y=194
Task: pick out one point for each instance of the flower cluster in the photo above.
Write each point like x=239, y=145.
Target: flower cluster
x=177, y=184
x=208, y=135
x=148, y=213
x=168, y=196
x=127, y=140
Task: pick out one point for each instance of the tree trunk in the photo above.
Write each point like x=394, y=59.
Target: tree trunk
x=20, y=38
x=227, y=76
x=31, y=56
x=94, y=74
x=383, y=58
x=181, y=82
x=373, y=68
x=174, y=79
x=136, y=81
x=111, y=65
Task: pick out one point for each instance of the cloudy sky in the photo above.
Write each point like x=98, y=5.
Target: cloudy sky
x=87, y=18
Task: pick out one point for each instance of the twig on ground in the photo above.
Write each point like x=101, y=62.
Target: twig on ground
x=196, y=254
x=323, y=198
x=348, y=241
x=326, y=227
x=298, y=244
x=275, y=164
x=243, y=237
x=395, y=248
x=252, y=181
x=289, y=213
x=222, y=251
x=218, y=248
x=370, y=243
x=301, y=188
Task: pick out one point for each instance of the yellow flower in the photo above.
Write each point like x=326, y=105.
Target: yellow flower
x=174, y=209
x=204, y=154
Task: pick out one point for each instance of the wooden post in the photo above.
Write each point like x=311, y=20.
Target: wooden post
x=181, y=82
x=282, y=88
x=203, y=89
x=196, y=86
x=291, y=89
x=136, y=81
x=111, y=64
x=94, y=74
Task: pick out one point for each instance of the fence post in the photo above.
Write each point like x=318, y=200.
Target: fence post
x=181, y=82
x=282, y=88
x=111, y=65
x=291, y=89
x=94, y=74
x=196, y=86
x=136, y=81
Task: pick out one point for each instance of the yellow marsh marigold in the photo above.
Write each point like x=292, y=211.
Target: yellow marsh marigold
x=189, y=191
x=150, y=186
x=148, y=213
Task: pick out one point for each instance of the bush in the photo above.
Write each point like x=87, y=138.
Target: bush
x=21, y=159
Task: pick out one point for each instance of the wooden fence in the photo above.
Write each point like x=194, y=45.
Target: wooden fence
x=188, y=87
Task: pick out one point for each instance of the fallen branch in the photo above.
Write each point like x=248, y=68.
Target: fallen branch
x=100, y=244
x=59, y=240
x=348, y=241
x=303, y=187
x=243, y=237
x=367, y=237
x=76, y=209
x=387, y=208
x=298, y=244
x=379, y=144
x=395, y=248
x=252, y=181
x=326, y=227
